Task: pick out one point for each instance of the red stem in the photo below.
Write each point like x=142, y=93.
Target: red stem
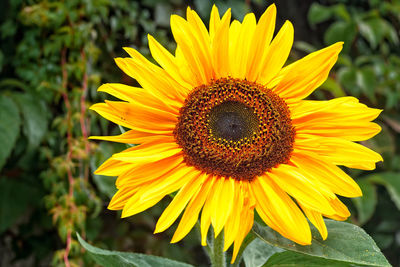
x=83, y=112
x=69, y=141
x=66, y=261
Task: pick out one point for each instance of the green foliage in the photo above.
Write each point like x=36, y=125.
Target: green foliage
x=9, y=127
x=22, y=196
x=258, y=252
x=290, y=258
x=109, y=258
x=53, y=57
x=346, y=243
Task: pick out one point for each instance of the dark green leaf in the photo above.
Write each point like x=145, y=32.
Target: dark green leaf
x=391, y=181
x=35, y=118
x=373, y=31
x=15, y=198
x=341, y=12
x=346, y=242
x=341, y=31
x=348, y=78
x=258, y=252
x=108, y=258
x=318, y=13
x=9, y=127
x=333, y=86
x=290, y=258
x=105, y=184
x=367, y=81
x=367, y=202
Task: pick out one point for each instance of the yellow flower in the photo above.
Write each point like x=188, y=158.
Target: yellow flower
x=224, y=122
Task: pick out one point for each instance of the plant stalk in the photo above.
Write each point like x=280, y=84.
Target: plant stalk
x=218, y=254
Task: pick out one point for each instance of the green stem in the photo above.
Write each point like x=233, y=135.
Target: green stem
x=218, y=254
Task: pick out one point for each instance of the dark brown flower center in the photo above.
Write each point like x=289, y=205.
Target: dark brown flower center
x=234, y=128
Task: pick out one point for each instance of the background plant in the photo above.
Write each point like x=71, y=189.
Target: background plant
x=55, y=54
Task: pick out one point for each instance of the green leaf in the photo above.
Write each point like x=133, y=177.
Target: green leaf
x=367, y=202
x=333, y=86
x=346, y=242
x=367, y=81
x=15, y=197
x=341, y=31
x=110, y=258
x=348, y=78
x=35, y=118
x=391, y=181
x=9, y=127
x=290, y=258
x=340, y=11
x=318, y=13
x=258, y=252
x=371, y=30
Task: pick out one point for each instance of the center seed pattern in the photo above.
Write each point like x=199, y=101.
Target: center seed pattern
x=234, y=128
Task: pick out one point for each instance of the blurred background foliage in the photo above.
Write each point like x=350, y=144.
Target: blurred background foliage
x=55, y=54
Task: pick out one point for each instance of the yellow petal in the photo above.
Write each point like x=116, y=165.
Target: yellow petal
x=306, y=74
x=135, y=137
x=153, y=192
x=189, y=217
x=222, y=203
x=273, y=59
x=291, y=180
x=332, y=176
x=233, y=224
x=179, y=202
x=260, y=42
x=148, y=154
x=124, y=116
x=112, y=167
x=339, y=151
x=169, y=63
x=207, y=211
x=247, y=218
x=279, y=212
x=122, y=196
x=153, y=79
x=240, y=43
x=340, y=117
x=317, y=220
x=171, y=182
x=220, y=47
x=140, y=174
x=186, y=38
x=214, y=21
x=340, y=208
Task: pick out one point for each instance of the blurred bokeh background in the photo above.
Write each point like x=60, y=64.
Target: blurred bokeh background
x=55, y=54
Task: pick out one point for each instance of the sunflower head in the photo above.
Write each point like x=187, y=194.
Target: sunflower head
x=224, y=122
x=234, y=128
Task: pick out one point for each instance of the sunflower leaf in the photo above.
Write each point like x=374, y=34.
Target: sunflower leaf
x=110, y=258
x=290, y=258
x=346, y=242
x=9, y=127
x=258, y=252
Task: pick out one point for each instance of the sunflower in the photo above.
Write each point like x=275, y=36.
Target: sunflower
x=225, y=124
